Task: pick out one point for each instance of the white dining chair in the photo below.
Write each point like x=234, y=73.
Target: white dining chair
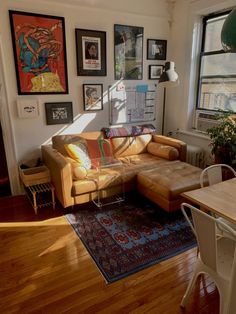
x=213, y=175
x=217, y=258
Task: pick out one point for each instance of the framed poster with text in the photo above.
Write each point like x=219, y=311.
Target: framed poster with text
x=90, y=52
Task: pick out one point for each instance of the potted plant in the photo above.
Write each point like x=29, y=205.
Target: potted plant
x=223, y=139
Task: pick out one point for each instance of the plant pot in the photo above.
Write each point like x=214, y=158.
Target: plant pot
x=222, y=156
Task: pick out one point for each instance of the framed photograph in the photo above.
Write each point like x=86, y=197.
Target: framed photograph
x=27, y=108
x=59, y=112
x=155, y=71
x=156, y=49
x=91, y=52
x=93, y=97
x=39, y=48
x=128, y=52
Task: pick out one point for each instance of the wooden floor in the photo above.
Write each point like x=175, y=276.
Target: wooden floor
x=44, y=268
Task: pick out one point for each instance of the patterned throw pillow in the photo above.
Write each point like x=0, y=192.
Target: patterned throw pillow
x=125, y=131
x=98, y=149
x=117, y=132
x=79, y=153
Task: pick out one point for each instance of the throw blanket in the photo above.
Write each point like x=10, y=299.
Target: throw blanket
x=131, y=130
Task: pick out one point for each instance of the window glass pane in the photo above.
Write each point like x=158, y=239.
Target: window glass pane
x=217, y=79
x=219, y=64
x=218, y=93
x=213, y=34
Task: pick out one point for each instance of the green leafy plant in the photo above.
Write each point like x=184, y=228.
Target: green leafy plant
x=223, y=139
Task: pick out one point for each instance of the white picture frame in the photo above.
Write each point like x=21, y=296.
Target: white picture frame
x=27, y=108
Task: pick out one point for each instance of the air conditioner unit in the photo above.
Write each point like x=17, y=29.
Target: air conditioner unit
x=205, y=120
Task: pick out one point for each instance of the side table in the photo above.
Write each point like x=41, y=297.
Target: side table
x=38, y=187
x=105, y=167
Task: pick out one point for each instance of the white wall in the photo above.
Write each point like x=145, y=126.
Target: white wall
x=185, y=36
x=177, y=21
x=30, y=134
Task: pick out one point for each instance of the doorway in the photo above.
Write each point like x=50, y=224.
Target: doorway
x=9, y=173
x=5, y=189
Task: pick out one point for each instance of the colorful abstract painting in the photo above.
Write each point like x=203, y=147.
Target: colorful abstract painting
x=40, y=53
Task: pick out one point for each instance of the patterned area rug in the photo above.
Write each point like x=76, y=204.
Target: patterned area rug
x=123, y=239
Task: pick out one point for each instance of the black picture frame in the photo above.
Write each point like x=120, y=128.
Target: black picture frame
x=94, y=63
x=156, y=49
x=93, y=97
x=128, y=52
x=155, y=71
x=59, y=112
x=39, y=47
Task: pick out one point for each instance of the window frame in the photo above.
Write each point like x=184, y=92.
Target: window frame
x=202, y=54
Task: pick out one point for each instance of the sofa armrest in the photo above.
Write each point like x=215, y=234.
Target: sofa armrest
x=61, y=174
x=181, y=146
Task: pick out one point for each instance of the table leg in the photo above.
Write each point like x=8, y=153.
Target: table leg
x=35, y=203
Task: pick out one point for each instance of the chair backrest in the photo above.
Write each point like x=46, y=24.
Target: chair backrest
x=205, y=230
x=214, y=173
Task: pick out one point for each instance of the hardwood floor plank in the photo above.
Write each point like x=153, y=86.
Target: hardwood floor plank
x=45, y=268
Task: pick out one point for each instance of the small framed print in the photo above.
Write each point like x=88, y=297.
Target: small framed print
x=27, y=108
x=155, y=71
x=59, y=112
x=156, y=49
x=93, y=97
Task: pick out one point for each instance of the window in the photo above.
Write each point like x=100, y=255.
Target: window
x=217, y=75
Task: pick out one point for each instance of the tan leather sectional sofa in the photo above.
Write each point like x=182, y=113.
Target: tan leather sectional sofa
x=139, y=163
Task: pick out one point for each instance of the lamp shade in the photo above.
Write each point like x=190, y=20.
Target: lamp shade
x=228, y=33
x=169, y=76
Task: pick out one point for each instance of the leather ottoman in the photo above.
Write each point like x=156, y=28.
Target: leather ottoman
x=164, y=184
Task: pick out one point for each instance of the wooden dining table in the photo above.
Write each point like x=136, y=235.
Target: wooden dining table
x=218, y=198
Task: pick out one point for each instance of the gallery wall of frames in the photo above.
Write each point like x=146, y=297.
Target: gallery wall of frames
x=40, y=57
x=62, y=61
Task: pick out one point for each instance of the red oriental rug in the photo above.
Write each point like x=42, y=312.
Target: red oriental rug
x=123, y=239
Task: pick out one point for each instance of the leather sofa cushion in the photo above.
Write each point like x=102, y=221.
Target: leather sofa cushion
x=107, y=178
x=163, y=151
x=131, y=145
x=141, y=159
x=137, y=163
x=170, y=180
x=181, y=146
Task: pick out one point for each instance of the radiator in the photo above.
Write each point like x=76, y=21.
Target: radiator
x=196, y=156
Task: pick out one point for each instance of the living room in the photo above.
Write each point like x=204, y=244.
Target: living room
x=179, y=24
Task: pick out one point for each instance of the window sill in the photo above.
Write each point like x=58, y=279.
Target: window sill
x=194, y=133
